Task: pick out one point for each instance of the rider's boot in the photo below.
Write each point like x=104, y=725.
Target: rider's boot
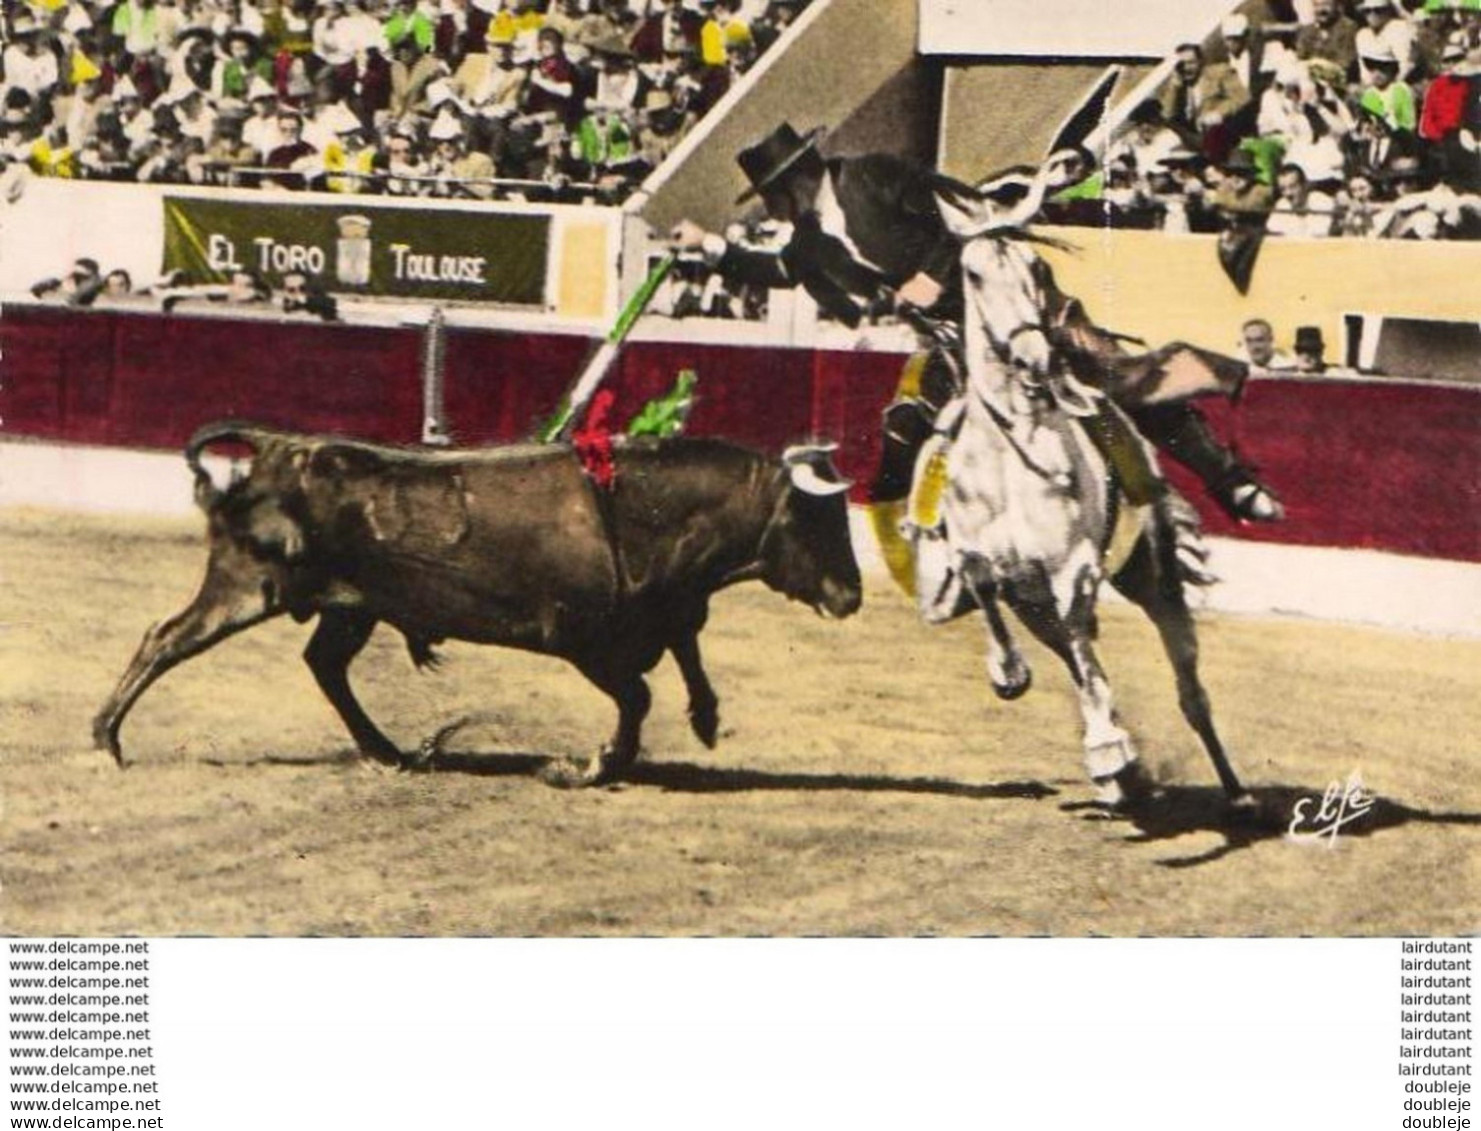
x=1182, y=432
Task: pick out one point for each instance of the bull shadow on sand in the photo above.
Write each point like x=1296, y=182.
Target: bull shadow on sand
x=1178, y=810
x=687, y=777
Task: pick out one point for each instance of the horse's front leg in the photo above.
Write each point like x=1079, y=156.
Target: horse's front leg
x=1006, y=668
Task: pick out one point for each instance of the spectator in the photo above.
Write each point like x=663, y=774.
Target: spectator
x=552, y=86
x=78, y=287
x=260, y=129
x=1147, y=141
x=293, y=155
x=349, y=160
x=411, y=20
x=1300, y=211
x=117, y=284
x=459, y=172
x=1240, y=192
x=669, y=30
x=404, y=165
x=1308, y=120
x=1204, y=101
x=30, y=63
x=301, y=293
x=412, y=71
x=1386, y=93
x=1257, y=346
x=1383, y=36
x=1358, y=209
x=1451, y=118
x=1253, y=59
x=1376, y=145
x=496, y=101
x=1310, y=351
x=1330, y=36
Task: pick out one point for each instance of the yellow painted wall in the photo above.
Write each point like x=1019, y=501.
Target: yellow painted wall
x=1162, y=287
x=583, y=280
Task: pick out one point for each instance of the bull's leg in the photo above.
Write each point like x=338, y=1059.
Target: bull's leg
x=226, y=604
x=337, y=640
x=1150, y=579
x=629, y=690
x=704, y=706
x=1065, y=626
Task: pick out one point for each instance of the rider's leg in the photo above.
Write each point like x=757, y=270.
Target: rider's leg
x=1181, y=431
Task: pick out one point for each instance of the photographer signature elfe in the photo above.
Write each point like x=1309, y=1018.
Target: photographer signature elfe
x=1342, y=803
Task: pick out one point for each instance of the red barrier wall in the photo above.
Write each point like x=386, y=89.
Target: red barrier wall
x=1392, y=467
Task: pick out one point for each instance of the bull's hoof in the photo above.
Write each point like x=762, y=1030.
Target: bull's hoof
x=704, y=720
x=431, y=747
x=105, y=737
x=569, y=773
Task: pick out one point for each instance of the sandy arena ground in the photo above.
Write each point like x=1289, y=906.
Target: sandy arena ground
x=866, y=782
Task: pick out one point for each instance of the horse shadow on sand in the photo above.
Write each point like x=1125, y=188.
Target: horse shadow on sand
x=1179, y=810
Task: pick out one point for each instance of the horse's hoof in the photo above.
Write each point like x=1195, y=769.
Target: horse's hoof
x=1014, y=689
x=1127, y=789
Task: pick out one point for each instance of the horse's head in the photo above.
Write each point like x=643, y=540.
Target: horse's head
x=1005, y=317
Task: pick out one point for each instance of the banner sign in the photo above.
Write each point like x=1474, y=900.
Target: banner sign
x=485, y=256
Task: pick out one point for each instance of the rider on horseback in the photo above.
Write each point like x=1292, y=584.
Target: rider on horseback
x=868, y=225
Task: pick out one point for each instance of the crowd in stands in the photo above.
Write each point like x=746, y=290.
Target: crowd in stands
x=532, y=99
x=1316, y=118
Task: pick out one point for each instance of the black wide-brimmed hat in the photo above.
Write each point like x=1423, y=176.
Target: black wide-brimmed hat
x=768, y=160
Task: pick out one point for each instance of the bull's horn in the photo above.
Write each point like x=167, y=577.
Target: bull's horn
x=811, y=469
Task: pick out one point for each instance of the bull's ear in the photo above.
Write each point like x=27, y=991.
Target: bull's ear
x=810, y=467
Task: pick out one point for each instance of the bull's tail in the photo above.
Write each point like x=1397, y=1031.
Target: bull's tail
x=253, y=436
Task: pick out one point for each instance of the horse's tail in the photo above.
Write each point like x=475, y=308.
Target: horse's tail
x=1180, y=534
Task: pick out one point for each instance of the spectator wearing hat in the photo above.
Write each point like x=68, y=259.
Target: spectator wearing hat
x=78, y=287
x=1240, y=192
x=1451, y=118
x=1253, y=59
x=1300, y=210
x=30, y=63
x=1204, y=100
x=1422, y=211
x=1330, y=35
x=1310, y=351
x=459, y=171
x=349, y=159
x=1308, y=119
x=233, y=72
x=1384, y=36
x=260, y=127
x=1386, y=93
x=619, y=85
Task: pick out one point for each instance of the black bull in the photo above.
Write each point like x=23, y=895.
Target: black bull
x=511, y=546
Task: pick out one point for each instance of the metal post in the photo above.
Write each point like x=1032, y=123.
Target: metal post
x=434, y=356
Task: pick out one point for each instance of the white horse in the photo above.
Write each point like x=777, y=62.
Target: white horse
x=1031, y=507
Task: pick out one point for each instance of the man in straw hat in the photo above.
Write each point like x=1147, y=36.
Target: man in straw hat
x=869, y=230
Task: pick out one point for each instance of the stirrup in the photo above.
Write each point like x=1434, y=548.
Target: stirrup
x=1252, y=502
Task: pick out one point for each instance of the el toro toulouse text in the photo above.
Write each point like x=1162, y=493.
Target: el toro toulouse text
x=81, y=1053
x=1435, y=1035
